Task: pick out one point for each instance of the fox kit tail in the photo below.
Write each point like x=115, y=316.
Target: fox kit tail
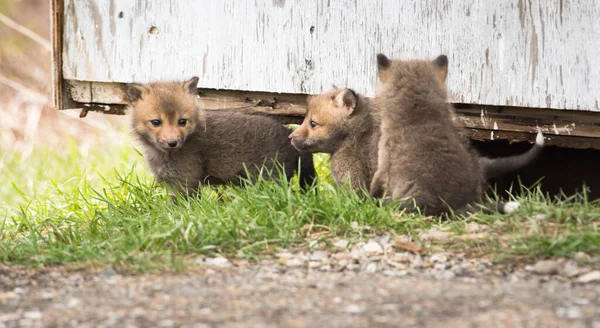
x=496, y=167
x=307, y=175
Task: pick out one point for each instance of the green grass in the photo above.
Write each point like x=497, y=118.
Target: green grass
x=104, y=208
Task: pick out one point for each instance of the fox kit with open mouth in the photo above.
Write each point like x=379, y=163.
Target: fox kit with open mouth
x=186, y=147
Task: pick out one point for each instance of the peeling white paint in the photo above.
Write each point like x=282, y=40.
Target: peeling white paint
x=508, y=52
x=495, y=126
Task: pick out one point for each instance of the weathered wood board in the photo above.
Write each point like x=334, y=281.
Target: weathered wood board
x=525, y=53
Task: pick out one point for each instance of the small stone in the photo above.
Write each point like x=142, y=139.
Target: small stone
x=354, y=309
x=314, y=264
x=372, y=248
x=589, y=277
x=337, y=300
x=383, y=240
x=572, y=312
x=404, y=257
x=319, y=256
x=73, y=302
x=110, y=272
x=342, y=243
x=441, y=266
x=582, y=258
x=166, y=323
x=438, y=258
x=33, y=315
x=293, y=262
x=540, y=217
x=395, y=273
x=545, y=267
x=313, y=243
x=570, y=269
x=417, y=263
x=218, y=262
x=9, y=317
x=371, y=267
x=286, y=255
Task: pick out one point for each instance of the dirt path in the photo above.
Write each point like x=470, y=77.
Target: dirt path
x=271, y=294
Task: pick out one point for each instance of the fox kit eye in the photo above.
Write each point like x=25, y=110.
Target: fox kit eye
x=313, y=124
x=156, y=122
x=182, y=121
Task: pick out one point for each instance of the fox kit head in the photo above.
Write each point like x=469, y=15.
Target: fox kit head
x=164, y=114
x=324, y=124
x=418, y=73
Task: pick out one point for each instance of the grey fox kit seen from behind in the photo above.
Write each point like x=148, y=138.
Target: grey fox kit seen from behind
x=186, y=147
x=421, y=154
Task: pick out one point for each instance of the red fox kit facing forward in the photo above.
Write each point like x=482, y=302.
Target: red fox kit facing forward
x=341, y=122
x=186, y=147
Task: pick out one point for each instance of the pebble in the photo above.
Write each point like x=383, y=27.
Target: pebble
x=218, y=262
x=291, y=262
x=572, y=312
x=589, y=277
x=441, y=266
x=570, y=269
x=319, y=256
x=371, y=267
x=438, y=258
x=545, y=267
x=417, y=263
x=342, y=243
x=372, y=248
x=34, y=315
x=354, y=309
x=582, y=258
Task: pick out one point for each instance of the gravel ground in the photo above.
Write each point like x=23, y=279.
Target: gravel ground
x=370, y=284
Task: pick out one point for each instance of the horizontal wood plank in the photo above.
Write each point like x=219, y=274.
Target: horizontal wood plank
x=561, y=127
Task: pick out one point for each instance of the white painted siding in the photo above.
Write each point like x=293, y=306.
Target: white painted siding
x=532, y=53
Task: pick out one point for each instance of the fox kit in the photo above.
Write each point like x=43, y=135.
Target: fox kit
x=341, y=122
x=186, y=147
x=421, y=154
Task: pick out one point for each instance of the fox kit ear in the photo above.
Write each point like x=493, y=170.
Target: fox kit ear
x=191, y=86
x=441, y=65
x=346, y=99
x=383, y=64
x=133, y=92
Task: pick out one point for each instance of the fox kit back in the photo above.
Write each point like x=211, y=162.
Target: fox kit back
x=339, y=122
x=421, y=156
x=186, y=147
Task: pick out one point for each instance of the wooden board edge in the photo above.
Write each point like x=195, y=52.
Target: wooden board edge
x=56, y=17
x=481, y=122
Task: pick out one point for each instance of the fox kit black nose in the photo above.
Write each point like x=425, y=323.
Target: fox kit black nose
x=172, y=143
